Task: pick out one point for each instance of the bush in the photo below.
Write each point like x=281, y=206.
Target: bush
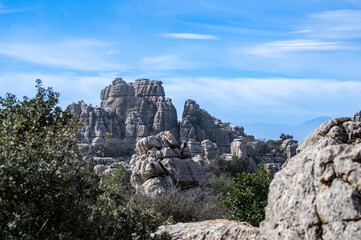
x=248, y=196
x=115, y=217
x=45, y=193
x=175, y=206
x=231, y=168
x=221, y=184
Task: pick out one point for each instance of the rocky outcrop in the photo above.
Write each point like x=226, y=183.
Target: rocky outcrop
x=317, y=195
x=212, y=229
x=288, y=146
x=199, y=125
x=211, y=151
x=129, y=111
x=273, y=167
x=105, y=165
x=162, y=165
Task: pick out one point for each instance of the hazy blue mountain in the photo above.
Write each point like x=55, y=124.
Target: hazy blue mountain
x=273, y=131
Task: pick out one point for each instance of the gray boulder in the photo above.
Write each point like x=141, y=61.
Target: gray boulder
x=163, y=165
x=211, y=151
x=317, y=195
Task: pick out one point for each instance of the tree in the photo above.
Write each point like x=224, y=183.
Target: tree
x=45, y=192
x=247, y=198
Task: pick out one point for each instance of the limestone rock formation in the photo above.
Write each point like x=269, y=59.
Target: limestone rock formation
x=211, y=151
x=199, y=125
x=288, y=146
x=273, y=167
x=317, y=195
x=239, y=148
x=129, y=111
x=212, y=229
x=162, y=164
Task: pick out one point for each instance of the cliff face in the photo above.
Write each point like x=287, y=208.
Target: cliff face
x=199, y=125
x=129, y=111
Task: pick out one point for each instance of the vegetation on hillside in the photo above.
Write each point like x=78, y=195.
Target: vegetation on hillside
x=45, y=190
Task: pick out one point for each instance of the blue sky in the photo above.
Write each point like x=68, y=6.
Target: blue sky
x=281, y=61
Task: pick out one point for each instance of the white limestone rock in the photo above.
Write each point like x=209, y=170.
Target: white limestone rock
x=317, y=194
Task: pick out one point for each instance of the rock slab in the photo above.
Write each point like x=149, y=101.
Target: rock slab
x=211, y=230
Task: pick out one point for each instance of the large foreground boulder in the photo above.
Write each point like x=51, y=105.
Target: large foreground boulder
x=212, y=229
x=317, y=194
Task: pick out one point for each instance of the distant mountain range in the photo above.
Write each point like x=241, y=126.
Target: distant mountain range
x=273, y=131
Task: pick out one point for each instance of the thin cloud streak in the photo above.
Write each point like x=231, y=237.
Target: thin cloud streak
x=79, y=54
x=298, y=45
x=164, y=62
x=339, y=24
x=286, y=94
x=5, y=10
x=193, y=36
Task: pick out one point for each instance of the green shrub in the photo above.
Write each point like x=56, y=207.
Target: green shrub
x=45, y=193
x=231, y=168
x=221, y=184
x=248, y=196
x=175, y=206
x=115, y=217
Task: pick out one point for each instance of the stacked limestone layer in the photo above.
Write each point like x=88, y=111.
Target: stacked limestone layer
x=199, y=125
x=162, y=165
x=129, y=111
x=317, y=195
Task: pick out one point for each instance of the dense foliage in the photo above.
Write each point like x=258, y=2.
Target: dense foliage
x=45, y=192
x=248, y=196
x=231, y=168
x=262, y=148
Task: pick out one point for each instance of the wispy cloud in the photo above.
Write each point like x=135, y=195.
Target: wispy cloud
x=285, y=96
x=72, y=86
x=340, y=24
x=6, y=10
x=189, y=36
x=79, y=54
x=277, y=48
x=164, y=62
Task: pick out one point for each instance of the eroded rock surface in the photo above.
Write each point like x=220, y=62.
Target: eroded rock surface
x=199, y=125
x=129, y=111
x=317, y=195
x=162, y=164
x=212, y=229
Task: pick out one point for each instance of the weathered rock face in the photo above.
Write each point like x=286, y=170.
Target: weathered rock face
x=211, y=151
x=212, y=229
x=199, y=125
x=317, y=195
x=162, y=164
x=129, y=111
x=239, y=148
x=288, y=146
